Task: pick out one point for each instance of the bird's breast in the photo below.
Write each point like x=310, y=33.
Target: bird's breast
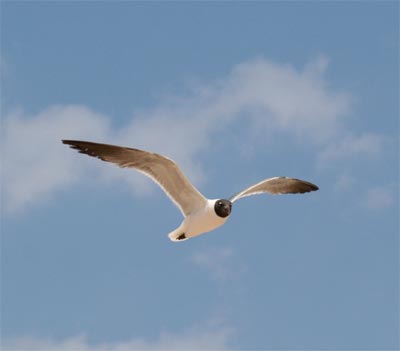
x=203, y=221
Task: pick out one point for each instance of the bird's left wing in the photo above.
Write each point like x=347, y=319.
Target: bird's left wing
x=162, y=170
x=277, y=185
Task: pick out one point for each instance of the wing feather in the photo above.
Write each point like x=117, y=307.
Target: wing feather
x=277, y=185
x=160, y=169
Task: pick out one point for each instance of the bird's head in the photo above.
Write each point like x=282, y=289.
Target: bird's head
x=223, y=208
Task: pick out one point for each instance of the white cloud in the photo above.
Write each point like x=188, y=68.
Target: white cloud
x=264, y=96
x=220, y=263
x=211, y=336
x=380, y=197
x=368, y=144
x=344, y=182
x=279, y=97
x=34, y=162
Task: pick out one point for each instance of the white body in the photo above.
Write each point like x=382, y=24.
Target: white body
x=202, y=221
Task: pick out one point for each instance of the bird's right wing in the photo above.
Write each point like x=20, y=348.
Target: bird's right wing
x=277, y=185
x=162, y=170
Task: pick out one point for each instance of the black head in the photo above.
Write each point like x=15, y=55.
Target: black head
x=223, y=208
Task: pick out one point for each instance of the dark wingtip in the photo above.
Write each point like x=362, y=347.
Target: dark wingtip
x=313, y=187
x=310, y=186
x=73, y=144
x=76, y=144
x=68, y=142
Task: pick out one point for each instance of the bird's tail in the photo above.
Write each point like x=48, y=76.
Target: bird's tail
x=177, y=235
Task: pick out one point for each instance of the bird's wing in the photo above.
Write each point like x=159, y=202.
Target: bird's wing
x=162, y=170
x=277, y=185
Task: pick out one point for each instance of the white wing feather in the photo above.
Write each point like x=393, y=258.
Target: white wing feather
x=160, y=169
x=276, y=185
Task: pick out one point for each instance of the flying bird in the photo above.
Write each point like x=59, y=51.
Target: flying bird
x=201, y=215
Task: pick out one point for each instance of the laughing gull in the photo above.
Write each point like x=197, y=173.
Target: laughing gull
x=201, y=215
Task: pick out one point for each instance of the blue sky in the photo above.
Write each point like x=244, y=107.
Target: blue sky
x=235, y=93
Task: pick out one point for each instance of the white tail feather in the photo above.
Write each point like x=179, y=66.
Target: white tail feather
x=174, y=235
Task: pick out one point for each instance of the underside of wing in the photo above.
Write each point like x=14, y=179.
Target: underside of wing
x=162, y=170
x=277, y=185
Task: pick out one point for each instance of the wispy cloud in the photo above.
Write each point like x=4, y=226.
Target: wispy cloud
x=380, y=197
x=344, y=182
x=34, y=162
x=209, y=336
x=346, y=148
x=267, y=98
x=220, y=263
